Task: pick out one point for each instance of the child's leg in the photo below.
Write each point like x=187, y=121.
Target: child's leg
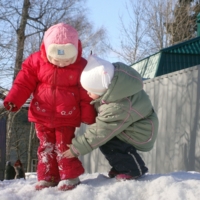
x=47, y=169
x=69, y=168
x=123, y=157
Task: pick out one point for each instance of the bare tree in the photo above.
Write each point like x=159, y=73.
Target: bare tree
x=132, y=37
x=183, y=25
x=24, y=22
x=133, y=43
x=31, y=145
x=157, y=14
x=144, y=33
x=9, y=124
x=153, y=25
x=92, y=40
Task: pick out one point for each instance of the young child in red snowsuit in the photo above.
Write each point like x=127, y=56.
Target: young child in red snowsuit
x=58, y=106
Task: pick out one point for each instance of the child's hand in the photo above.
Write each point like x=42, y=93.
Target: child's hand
x=68, y=153
x=11, y=106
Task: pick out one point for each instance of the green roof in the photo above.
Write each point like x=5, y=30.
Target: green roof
x=170, y=59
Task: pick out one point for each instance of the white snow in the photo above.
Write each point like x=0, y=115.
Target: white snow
x=96, y=186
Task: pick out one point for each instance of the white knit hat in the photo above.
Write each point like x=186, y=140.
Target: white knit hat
x=97, y=75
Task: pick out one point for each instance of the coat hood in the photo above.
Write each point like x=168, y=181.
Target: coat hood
x=125, y=82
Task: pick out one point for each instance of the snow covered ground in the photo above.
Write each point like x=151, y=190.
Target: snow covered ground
x=173, y=186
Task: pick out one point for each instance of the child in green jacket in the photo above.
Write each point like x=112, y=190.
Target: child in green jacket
x=126, y=120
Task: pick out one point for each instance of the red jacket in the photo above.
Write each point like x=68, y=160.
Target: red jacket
x=58, y=98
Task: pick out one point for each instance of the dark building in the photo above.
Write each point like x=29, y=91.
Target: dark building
x=19, y=141
x=2, y=146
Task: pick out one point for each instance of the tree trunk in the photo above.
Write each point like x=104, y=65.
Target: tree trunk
x=8, y=135
x=30, y=147
x=9, y=124
x=18, y=63
x=21, y=37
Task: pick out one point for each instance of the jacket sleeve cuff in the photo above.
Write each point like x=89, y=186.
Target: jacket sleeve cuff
x=74, y=151
x=80, y=146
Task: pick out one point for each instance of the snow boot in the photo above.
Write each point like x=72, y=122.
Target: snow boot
x=124, y=177
x=113, y=172
x=68, y=184
x=44, y=184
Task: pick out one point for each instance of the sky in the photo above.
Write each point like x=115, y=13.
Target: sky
x=106, y=13
x=96, y=186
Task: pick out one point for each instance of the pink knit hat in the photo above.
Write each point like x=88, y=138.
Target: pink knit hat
x=61, y=42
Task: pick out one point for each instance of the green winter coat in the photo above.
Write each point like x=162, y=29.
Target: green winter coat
x=124, y=111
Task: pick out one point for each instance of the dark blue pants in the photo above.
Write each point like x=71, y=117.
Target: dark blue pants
x=123, y=157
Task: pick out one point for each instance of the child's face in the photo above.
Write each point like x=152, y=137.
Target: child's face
x=93, y=96
x=61, y=63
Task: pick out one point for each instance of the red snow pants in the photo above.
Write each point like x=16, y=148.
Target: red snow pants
x=53, y=142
